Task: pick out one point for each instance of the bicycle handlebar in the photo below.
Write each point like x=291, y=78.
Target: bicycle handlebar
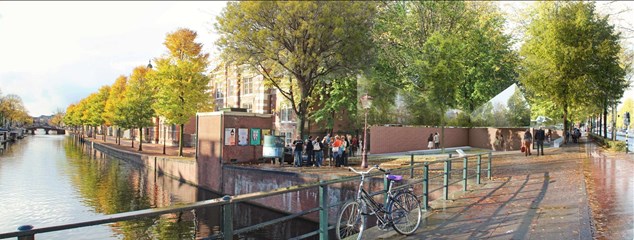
x=369, y=170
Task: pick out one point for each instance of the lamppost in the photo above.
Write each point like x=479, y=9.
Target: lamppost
x=366, y=102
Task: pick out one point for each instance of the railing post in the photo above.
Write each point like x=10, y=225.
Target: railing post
x=489, y=167
x=411, y=165
x=446, y=180
x=479, y=169
x=465, y=174
x=425, y=186
x=227, y=219
x=323, y=211
x=25, y=228
x=450, y=164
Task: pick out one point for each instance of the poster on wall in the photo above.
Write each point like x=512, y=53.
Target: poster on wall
x=243, y=136
x=255, y=136
x=266, y=132
x=230, y=136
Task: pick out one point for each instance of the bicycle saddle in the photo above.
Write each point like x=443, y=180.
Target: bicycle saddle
x=395, y=178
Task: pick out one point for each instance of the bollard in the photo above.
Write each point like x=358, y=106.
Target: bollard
x=450, y=164
x=227, y=219
x=25, y=228
x=323, y=211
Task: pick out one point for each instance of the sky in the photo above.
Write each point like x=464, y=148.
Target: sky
x=53, y=54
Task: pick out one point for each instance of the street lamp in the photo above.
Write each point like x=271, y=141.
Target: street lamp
x=366, y=103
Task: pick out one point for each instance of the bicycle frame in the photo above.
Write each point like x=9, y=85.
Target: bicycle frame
x=364, y=196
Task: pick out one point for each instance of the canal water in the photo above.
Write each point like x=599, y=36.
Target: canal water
x=49, y=180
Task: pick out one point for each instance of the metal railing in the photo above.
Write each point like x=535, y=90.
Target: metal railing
x=227, y=203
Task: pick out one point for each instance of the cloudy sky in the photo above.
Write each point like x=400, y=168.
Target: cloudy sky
x=53, y=54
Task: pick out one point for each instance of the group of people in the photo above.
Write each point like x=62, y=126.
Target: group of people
x=339, y=148
x=540, y=136
x=433, y=141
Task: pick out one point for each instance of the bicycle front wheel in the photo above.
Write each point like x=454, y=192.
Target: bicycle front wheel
x=350, y=223
x=405, y=213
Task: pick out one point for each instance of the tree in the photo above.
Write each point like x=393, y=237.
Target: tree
x=296, y=46
x=95, y=106
x=411, y=38
x=181, y=86
x=116, y=97
x=12, y=110
x=571, y=57
x=57, y=119
x=519, y=113
x=136, y=107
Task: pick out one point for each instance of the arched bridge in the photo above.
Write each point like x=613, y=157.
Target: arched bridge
x=46, y=129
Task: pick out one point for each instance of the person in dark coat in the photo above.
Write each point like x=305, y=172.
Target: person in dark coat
x=540, y=136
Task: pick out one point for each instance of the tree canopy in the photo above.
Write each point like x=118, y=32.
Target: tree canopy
x=181, y=86
x=296, y=45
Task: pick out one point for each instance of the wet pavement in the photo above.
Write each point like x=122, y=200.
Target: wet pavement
x=577, y=191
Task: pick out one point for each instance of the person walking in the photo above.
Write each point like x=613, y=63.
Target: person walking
x=309, y=151
x=355, y=146
x=430, y=141
x=528, y=139
x=540, y=136
x=319, y=153
x=436, y=141
x=298, y=148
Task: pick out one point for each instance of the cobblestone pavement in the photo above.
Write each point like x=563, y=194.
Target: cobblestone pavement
x=540, y=197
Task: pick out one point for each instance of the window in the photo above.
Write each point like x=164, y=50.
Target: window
x=219, y=89
x=248, y=106
x=230, y=89
x=286, y=113
x=288, y=138
x=247, y=85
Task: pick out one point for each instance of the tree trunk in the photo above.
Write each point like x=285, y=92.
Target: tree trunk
x=565, y=122
x=301, y=119
x=180, y=140
x=104, y=133
x=140, y=139
x=605, y=121
x=132, y=136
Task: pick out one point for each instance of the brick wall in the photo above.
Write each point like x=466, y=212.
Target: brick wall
x=401, y=139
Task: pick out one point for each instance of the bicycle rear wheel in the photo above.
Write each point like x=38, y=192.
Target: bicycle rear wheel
x=405, y=213
x=351, y=222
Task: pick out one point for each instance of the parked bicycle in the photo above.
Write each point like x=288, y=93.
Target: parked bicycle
x=401, y=211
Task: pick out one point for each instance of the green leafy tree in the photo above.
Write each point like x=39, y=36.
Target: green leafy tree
x=519, y=113
x=570, y=57
x=297, y=45
x=136, y=107
x=181, y=86
x=116, y=97
x=410, y=39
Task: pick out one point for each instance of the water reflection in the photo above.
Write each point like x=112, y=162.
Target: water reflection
x=49, y=180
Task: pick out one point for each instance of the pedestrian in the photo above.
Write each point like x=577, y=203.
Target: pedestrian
x=540, y=135
x=327, y=142
x=550, y=136
x=528, y=139
x=430, y=141
x=309, y=151
x=346, y=150
x=436, y=141
x=337, y=150
x=298, y=148
x=318, y=147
